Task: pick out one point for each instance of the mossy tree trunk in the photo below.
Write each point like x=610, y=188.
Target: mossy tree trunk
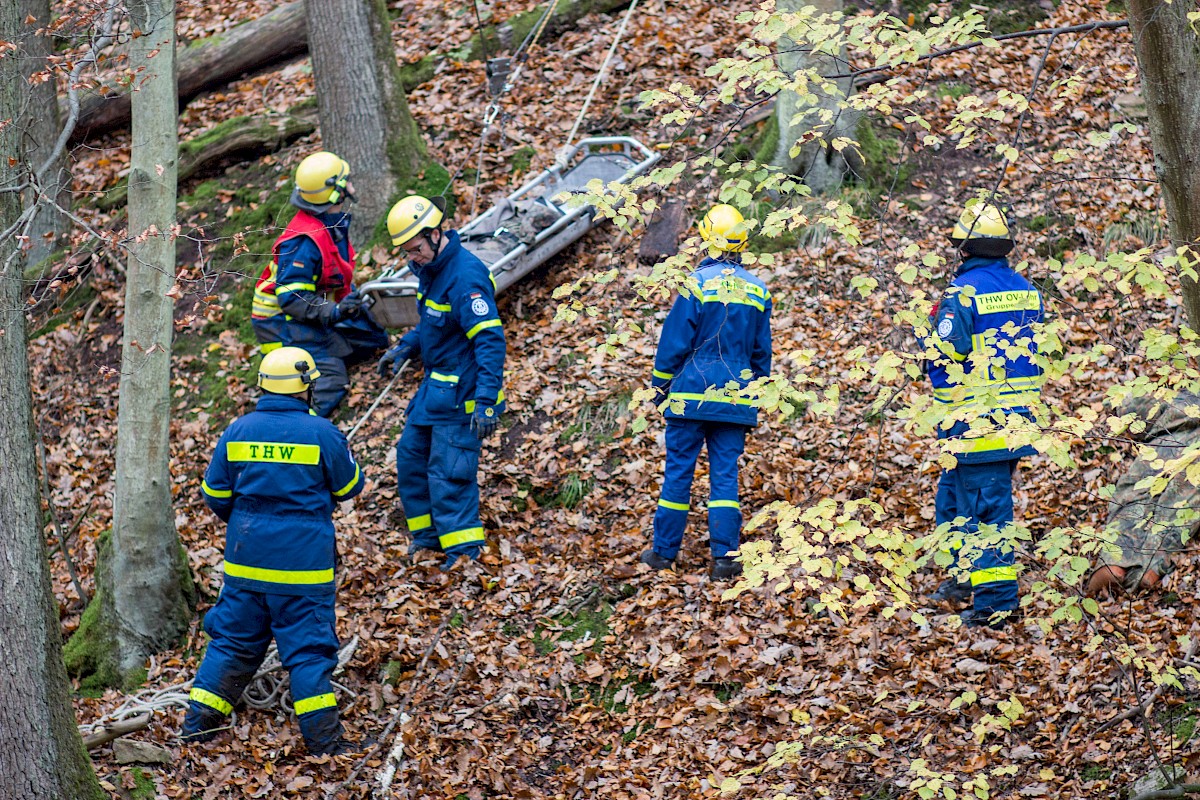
x=52, y=188
x=820, y=166
x=149, y=581
x=364, y=114
x=41, y=753
x=1168, y=55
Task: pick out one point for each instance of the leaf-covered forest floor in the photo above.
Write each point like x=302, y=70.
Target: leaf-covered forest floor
x=557, y=668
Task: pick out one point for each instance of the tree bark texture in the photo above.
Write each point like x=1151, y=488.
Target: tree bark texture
x=364, y=114
x=820, y=166
x=148, y=579
x=40, y=126
x=210, y=63
x=41, y=752
x=1168, y=55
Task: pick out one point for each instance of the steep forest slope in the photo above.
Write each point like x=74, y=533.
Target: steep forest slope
x=557, y=667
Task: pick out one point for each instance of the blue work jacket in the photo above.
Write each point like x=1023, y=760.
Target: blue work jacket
x=984, y=322
x=459, y=338
x=719, y=336
x=275, y=477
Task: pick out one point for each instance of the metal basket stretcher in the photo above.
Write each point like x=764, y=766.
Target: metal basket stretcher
x=526, y=229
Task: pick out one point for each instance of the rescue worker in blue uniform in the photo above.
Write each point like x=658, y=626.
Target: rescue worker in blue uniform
x=305, y=296
x=985, y=368
x=460, y=340
x=710, y=339
x=275, y=477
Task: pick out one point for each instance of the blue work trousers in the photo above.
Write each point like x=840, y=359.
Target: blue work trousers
x=241, y=625
x=437, y=468
x=982, y=494
x=334, y=350
x=726, y=441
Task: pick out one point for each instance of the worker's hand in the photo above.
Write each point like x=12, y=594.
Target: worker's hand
x=327, y=313
x=485, y=420
x=392, y=359
x=351, y=306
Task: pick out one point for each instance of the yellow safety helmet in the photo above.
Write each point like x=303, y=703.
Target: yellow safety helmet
x=982, y=230
x=724, y=228
x=287, y=370
x=414, y=214
x=322, y=178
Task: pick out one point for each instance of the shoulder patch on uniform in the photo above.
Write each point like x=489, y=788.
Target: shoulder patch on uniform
x=479, y=306
x=945, y=327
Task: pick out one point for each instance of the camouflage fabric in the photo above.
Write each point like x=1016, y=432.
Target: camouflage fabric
x=1148, y=529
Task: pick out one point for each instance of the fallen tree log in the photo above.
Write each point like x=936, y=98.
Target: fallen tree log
x=282, y=35
x=115, y=730
x=210, y=63
x=232, y=142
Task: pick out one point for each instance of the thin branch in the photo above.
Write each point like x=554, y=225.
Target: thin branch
x=62, y=539
x=1182, y=790
x=1144, y=706
x=1085, y=28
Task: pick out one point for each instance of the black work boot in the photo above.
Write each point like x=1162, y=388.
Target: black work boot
x=338, y=747
x=202, y=724
x=417, y=546
x=656, y=562
x=953, y=591
x=976, y=618
x=725, y=568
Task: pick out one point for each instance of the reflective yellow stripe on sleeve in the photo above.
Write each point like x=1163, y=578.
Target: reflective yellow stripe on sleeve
x=993, y=575
x=207, y=698
x=469, y=406
x=310, y=704
x=441, y=376
x=445, y=308
x=487, y=323
x=295, y=287
x=293, y=577
x=275, y=452
x=353, y=482
x=465, y=536
x=663, y=376
x=211, y=492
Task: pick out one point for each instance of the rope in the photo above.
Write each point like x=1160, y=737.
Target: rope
x=366, y=414
x=265, y=691
x=600, y=75
x=493, y=109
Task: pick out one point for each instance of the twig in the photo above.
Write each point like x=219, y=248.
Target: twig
x=62, y=540
x=115, y=730
x=1145, y=704
x=399, y=712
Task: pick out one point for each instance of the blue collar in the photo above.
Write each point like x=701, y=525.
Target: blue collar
x=281, y=402
x=975, y=262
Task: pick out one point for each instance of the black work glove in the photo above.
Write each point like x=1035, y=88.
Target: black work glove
x=351, y=306
x=327, y=313
x=485, y=420
x=393, y=358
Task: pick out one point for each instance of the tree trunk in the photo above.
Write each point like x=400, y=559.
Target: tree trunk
x=816, y=163
x=364, y=114
x=1168, y=55
x=41, y=127
x=149, y=576
x=41, y=752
